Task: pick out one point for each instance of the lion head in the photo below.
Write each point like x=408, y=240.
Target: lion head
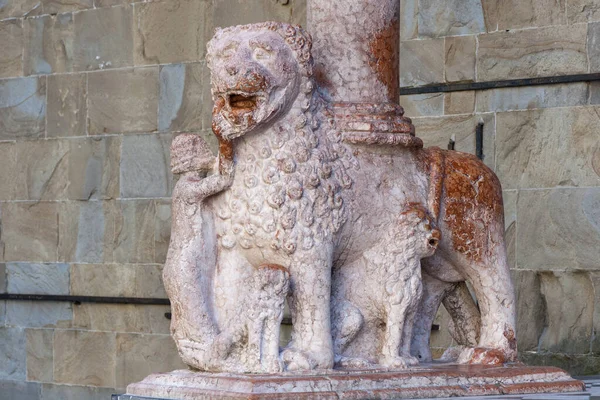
x=256, y=73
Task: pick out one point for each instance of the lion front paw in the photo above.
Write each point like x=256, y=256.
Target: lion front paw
x=353, y=363
x=397, y=362
x=481, y=356
x=296, y=360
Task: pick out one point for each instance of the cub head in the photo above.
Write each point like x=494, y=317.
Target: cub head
x=256, y=71
x=420, y=227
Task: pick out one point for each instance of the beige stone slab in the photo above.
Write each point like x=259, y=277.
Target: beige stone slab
x=49, y=44
x=30, y=231
x=595, y=277
x=529, y=143
x=549, y=51
x=162, y=231
x=75, y=392
x=531, y=309
x=11, y=37
x=122, y=318
x=185, y=102
x=170, y=32
x=583, y=11
x=532, y=97
x=12, y=353
x=133, y=231
x=510, y=198
x=40, y=343
x=33, y=314
x=93, y=169
x=103, y=38
x=8, y=164
x=516, y=14
x=84, y=358
x=256, y=11
x=141, y=355
x=450, y=18
x=22, y=108
x=460, y=58
x=569, y=299
x=459, y=102
x=67, y=105
x=20, y=8
x=409, y=19
x=117, y=280
x=63, y=6
x=558, y=229
x=593, y=45
x=438, y=131
x=43, y=174
x=423, y=105
x=123, y=101
x=421, y=62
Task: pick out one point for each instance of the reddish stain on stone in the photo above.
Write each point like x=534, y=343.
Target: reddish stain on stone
x=384, y=58
x=483, y=356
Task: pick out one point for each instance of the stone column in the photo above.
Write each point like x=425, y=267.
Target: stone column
x=356, y=45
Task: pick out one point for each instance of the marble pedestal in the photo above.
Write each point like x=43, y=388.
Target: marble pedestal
x=432, y=380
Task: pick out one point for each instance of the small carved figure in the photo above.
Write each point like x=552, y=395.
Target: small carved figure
x=375, y=298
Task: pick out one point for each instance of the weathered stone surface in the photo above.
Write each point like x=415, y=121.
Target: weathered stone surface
x=8, y=164
x=11, y=35
x=569, y=300
x=531, y=97
x=532, y=316
x=448, y=18
x=40, y=343
x=162, y=231
x=145, y=166
x=257, y=11
x=96, y=368
x=2, y=278
x=594, y=88
x=16, y=390
x=441, y=339
x=121, y=318
x=43, y=174
x=171, y=32
x=557, y=50
x=593, y=45
x=63, y=6
x=141, y=355
x=459, y=102
x=30, y=231
x=595, y=277
x=558, y=229
x=67, y=105
x=421, y=62
x=515, y=14
x=438, y=131
x=123, y=101
x=583, y=10
x=103, y=39
x=22, y=108
x=37, y=278
x=91, y=232
x=133, y=230
x=117, y=280
x=460, y=58
x=409, y=19
x=72, y=392
x=577, y=365
x=490, y=14
x=20, y=8
x=12, y=353
x=510, y=198
x=423, y=105
x=48, y=44
x=184, y=103
x=530, y=142
x=93, y=168
x=34, y=314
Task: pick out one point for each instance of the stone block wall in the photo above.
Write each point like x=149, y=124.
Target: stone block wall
x=542, y=141
x=91, y=94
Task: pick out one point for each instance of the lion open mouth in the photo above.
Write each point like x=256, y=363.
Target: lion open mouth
x=240, y=106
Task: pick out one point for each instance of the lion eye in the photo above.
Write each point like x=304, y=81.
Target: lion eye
x=261, y=54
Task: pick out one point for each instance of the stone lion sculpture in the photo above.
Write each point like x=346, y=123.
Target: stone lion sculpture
x=375, y=298
x=304, y=198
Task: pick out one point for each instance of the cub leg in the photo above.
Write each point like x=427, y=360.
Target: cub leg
x=392, y=341
x=409, y=323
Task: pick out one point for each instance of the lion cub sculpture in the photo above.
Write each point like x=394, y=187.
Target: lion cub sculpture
x=376, y=296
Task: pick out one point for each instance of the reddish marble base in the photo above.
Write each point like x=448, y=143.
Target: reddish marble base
x=432, y=380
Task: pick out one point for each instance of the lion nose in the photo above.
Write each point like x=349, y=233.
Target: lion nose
x=232, y=69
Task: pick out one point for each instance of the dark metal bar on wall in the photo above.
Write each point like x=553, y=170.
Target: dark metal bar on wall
x=84, y=299
x=460, y=87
